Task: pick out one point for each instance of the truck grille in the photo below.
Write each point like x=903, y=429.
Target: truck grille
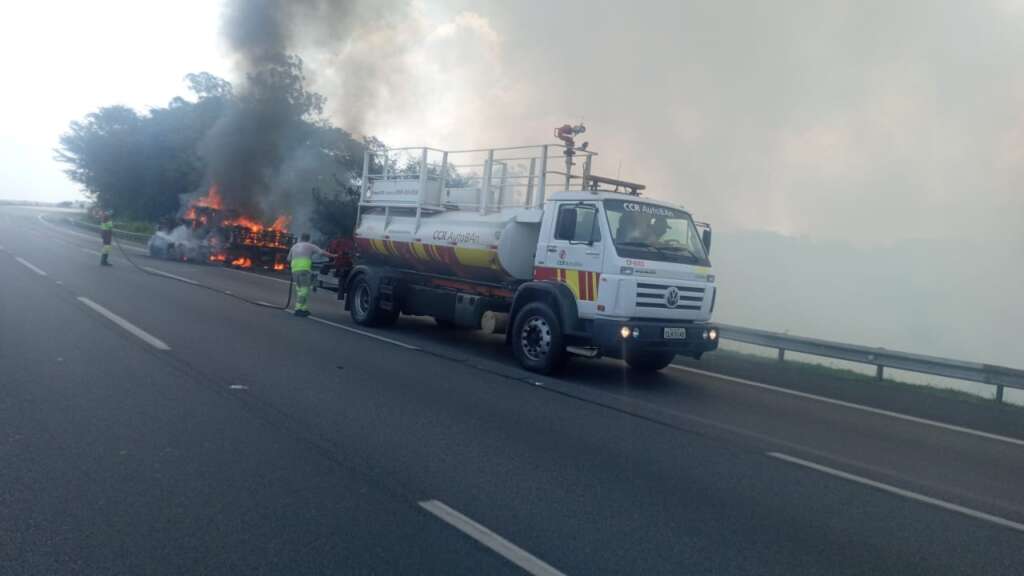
x=656, y=296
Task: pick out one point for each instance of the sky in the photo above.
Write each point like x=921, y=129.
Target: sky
x=890, y=129
x=805, y=118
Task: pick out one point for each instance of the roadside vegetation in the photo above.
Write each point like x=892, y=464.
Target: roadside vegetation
x=138, y=164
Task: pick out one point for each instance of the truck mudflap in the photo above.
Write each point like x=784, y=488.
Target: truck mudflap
x=615, y=338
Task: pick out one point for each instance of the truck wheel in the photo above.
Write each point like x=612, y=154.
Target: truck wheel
x=363, y=307
x=537, y=339
x=649, y=361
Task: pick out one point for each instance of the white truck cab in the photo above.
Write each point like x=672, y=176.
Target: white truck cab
x=563, y=262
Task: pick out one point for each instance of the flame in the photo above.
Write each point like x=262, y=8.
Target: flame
x=278, y=266
x=281, y=223
x=246, y=222
x=242, y=262
x=212, y=198
x=218, y=257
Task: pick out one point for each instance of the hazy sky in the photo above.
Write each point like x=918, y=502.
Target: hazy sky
x=862, y=121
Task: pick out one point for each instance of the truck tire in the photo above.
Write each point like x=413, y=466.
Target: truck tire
x=365, y=307
x=537, y=339
x=649, y=361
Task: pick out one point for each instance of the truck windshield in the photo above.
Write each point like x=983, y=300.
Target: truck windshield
x=652, y=232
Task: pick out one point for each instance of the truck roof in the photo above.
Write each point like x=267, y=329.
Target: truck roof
x=584, y=195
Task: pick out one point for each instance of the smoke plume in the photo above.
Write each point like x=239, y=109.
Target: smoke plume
x=260, y=152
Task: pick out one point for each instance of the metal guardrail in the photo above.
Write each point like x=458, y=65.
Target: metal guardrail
x=122, y=234
x=881, y=358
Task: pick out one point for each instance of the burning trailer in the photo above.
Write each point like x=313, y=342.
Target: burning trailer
x=208, y=232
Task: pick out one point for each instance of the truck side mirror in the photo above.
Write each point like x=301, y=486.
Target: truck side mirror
x=705, y=237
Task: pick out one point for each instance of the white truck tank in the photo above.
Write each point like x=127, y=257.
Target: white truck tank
x=495, y=248
x=473, y=215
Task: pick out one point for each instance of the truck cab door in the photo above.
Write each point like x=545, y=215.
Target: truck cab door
x=572, y=252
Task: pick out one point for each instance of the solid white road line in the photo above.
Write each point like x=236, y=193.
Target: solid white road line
x=87, y=251
x=30, y=266
x=169, y=275
x=901, y=492
x=135, y=330
x=483, y=535
x=879, y=411
x=362, y=332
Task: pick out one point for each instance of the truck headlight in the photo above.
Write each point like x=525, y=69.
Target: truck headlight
x=713, y=334
x=625, y=332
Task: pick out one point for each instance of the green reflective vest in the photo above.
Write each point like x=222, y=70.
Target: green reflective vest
x=302, y=264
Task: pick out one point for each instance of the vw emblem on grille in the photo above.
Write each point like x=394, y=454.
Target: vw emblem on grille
x=671, y=297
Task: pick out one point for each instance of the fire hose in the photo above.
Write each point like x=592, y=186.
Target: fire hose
x=287, y=302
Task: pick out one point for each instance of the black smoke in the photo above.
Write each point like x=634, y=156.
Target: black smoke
x=263, y=153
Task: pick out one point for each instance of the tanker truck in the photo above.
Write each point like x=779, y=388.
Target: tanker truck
x=527, y=241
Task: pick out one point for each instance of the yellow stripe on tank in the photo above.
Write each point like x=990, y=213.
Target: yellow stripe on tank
x=475, y=257
x=420, y=251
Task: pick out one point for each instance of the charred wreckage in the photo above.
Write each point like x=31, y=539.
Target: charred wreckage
x=209, y=232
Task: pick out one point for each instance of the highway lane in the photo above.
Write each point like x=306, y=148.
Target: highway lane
x=948, y=464
x=594, y=473
x=116, y=461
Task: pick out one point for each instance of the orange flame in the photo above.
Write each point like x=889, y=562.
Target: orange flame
x=242, y=262
x=218, y=257
x=246, y=222
x=281, y=223
x=278, y=266
x=212, y=198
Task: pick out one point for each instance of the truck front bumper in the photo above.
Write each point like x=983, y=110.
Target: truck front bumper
x=653, y=336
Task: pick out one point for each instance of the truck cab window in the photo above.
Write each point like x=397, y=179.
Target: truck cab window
x=577, y=223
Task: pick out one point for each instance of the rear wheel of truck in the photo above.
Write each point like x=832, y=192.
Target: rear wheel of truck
x=649, y=361
x=365, y=307
x=537, y=339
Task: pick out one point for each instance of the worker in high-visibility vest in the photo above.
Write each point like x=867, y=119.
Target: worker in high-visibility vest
x=107, y=234
x=301, y=258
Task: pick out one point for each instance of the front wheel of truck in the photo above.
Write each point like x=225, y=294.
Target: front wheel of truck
x=537, y=339
x=649, y=361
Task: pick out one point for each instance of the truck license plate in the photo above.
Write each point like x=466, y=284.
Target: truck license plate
x=675, y=333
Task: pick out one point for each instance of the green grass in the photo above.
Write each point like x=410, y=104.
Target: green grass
x=133, y=226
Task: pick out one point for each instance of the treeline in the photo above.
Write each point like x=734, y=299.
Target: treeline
x=138, y=164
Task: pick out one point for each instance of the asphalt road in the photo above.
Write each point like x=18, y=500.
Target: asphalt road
x=150, y=426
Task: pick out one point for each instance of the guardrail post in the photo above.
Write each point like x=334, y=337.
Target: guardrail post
x=878, y=372
x=782, y=354
x=999, y=393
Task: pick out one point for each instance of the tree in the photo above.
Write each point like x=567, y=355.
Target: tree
x=265, y=146
x=334, y=214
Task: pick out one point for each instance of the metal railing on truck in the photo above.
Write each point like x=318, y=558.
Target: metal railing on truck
x=881, y=358
x=483, y=180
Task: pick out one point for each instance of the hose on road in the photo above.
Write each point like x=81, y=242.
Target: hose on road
x=142, y=269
